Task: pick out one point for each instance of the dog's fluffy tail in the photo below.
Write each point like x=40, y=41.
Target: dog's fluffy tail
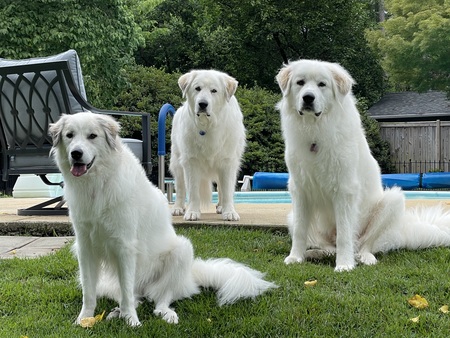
x=232, y=280
x=420, y=227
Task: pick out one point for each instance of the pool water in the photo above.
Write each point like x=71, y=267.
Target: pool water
x=258, y=197
x=273, y=197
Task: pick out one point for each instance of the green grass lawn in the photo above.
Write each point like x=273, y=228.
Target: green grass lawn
x=40, y=297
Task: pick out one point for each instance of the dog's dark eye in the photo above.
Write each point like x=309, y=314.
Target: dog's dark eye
x=213, y=91
x=322, y=84
x=92, y=136
x=69, y=135
x=301, y=82
x=198, y=89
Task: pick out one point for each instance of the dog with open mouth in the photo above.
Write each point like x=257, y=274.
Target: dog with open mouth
x=339, y=205
x=126, y=246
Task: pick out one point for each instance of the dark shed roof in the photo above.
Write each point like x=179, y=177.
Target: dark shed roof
x=412, y=106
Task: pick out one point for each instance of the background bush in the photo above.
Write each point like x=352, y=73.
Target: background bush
x=147, y=89
x=265, y=145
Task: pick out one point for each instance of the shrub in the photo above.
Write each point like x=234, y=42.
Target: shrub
x=147, y=90
x=265, y=146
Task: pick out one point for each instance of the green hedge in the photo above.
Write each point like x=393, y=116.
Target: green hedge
x=265, y=145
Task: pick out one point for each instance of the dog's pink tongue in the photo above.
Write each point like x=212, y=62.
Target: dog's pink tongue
x=78, y=169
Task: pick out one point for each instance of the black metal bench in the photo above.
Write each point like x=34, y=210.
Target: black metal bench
x=34, y=93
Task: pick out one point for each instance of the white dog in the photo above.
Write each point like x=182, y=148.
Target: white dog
x=208, y=140
x=126, y=246
x=338, y=201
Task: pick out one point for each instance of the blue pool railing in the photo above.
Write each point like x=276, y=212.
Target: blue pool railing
x=166, y=109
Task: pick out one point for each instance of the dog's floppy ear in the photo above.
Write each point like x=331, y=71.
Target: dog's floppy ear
x=184, y=81
x=55, y=130
x=284, y=79
x=111, y=128
x=342, y=78
x=231, y=86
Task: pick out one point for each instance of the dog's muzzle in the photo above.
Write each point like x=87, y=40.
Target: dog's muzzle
x=308, y=105
x=202, y=108
x=78, y=167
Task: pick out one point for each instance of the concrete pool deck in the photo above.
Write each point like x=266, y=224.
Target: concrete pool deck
x=33, y=236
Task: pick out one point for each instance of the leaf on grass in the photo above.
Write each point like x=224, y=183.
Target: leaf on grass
x=99, y=318
x=87, y=322
x=444, y=309
x=311, y=282
x=418, y=302
x=90, y=321
x=415, y=319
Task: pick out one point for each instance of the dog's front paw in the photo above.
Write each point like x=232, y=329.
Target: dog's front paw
x=192, y=215
x=168, y=315
x=83, y=314
x=131, y=319
x=291, y=259
x=345, y=262
x=177, y=211
x=367, y=258
x=343, y=268
x=230, y=216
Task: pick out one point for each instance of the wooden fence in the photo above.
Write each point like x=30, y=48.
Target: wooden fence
x=418, y=146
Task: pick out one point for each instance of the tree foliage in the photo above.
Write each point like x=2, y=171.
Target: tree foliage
x=103, y=32
x=252, y=39
x=248, y=39
x=414, y=44
x=265, y=145
x=147, y=90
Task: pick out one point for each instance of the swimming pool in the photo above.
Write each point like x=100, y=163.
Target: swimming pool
x=259, y=197
x=273, y=197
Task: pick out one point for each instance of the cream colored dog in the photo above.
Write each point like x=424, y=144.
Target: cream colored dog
x=208, y=140
x=339, y=205
x=126, y=246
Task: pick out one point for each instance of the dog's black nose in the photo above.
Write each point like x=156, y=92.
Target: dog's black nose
x=308, y=98
x=76, y=154
x=203, y=105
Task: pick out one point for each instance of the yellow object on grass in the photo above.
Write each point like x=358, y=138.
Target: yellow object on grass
x=418, y=302
x=90, y=321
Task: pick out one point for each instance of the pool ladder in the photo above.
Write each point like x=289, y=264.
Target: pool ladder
x=164, y=182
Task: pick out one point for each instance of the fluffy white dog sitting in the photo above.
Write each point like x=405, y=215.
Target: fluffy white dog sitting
x=208, y=140
x=339, y=204
x=126, y=245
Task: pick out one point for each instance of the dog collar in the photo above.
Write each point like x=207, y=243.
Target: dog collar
x=202, y=132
